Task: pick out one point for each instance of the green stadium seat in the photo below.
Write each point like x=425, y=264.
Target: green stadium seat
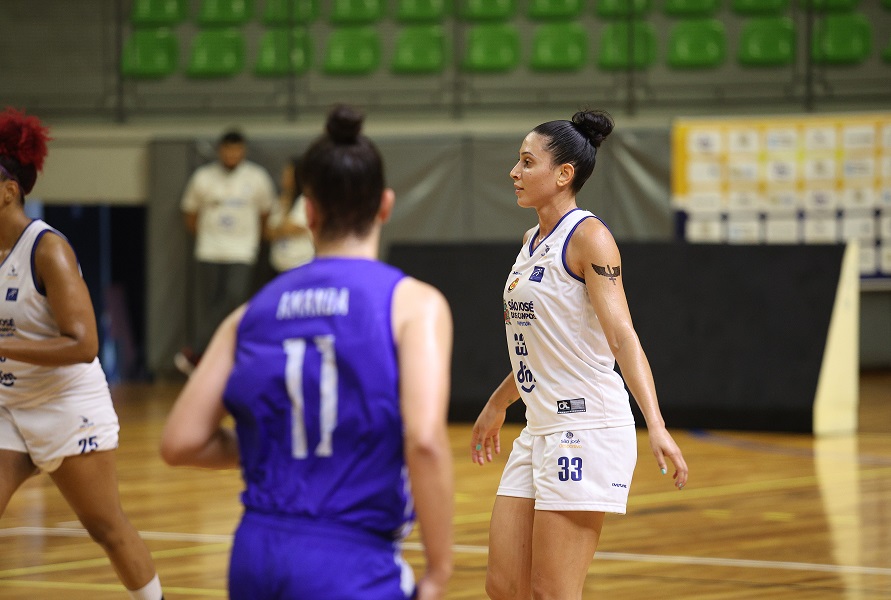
x=759, y=7
x=543, y=10
x=487, y=10
x=284, y=52
x=150, y=54
x=886, y=53
x=491, y=48
x=767, y=42
x=216, y=53
x=614, y=52
x=158, y=13
x=697, y=44
x=616, y=9
x=352, y=50
x=829, y=5
x=422, y=11
x=842, y=39
x=559, y=47
x=302, y=12
x=886, y=4
x=691, y=8
x=356, y=12
x=224, y=13
x=420, y=50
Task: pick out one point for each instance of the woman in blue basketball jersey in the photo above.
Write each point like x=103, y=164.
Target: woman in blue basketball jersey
x=337, y=376
x=56, y=412
x=567, y=323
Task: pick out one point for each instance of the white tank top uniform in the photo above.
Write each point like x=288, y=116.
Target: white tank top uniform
x=48, y=412
x=579, y=440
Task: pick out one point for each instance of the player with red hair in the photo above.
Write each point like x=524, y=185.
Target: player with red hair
x=56, y=413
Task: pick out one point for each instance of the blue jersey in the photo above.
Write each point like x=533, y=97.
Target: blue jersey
x=315, y=396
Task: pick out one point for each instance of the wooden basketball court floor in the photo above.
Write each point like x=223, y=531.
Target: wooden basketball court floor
x=764, y=516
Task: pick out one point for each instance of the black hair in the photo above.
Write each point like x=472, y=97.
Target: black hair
x=24, y=175
x=233, y=136
x=576, y=141
x=343, y=172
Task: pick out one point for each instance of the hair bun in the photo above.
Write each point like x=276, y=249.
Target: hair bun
x=344, y=124
x=23, y=138
x=594, y=125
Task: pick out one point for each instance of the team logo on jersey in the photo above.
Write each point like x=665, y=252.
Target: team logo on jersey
x=13, y=272
x=572, y=405
x=537, y=274
x=513, y=284
x=7, y=379
x=520, y=348
x=7, y=327
x=506, y=313
x=525, y=378
x=522, y=311
x=547, y=249
x=12, y=294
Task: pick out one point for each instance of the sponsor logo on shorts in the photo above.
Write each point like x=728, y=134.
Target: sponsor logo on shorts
x=12, y=294
x=572, y=405
x=570, y=441
x=537, y=274
x=620, y=485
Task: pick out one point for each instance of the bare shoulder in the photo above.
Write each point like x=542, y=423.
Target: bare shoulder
x=413, y=295
x=592, y=242
x=54, y=252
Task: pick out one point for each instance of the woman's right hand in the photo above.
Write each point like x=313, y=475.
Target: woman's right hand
x=486, y=435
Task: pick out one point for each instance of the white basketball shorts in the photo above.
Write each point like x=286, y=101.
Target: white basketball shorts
x=585, y=469
x=65, y=426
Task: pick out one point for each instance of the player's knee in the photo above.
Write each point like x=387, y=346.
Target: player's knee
x=500, y=587
x=105, y=530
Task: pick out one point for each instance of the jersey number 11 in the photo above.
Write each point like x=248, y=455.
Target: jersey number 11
x=295, y=349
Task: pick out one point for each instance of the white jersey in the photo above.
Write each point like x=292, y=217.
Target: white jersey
x=562, y=363
x=293, y=250
x=229, y=205
x=25, y=313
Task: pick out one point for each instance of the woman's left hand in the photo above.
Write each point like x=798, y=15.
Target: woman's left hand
x=663, y=445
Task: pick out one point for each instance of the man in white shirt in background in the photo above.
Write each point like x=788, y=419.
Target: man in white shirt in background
x=225, y=207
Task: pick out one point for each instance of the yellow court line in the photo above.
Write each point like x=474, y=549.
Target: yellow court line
x=95, y=562
x=107, y=587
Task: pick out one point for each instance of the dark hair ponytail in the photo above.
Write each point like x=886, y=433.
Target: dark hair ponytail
x=576, y=141
x=343, y=172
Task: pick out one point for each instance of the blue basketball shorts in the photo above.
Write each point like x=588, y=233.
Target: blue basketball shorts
x=285, y=559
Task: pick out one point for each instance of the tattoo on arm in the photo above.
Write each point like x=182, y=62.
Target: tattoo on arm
x=606, y=271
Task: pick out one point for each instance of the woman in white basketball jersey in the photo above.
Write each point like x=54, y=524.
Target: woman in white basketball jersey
x=567, y=323
x=56, y=413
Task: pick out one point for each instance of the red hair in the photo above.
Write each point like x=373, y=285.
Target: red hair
x=23, y=138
